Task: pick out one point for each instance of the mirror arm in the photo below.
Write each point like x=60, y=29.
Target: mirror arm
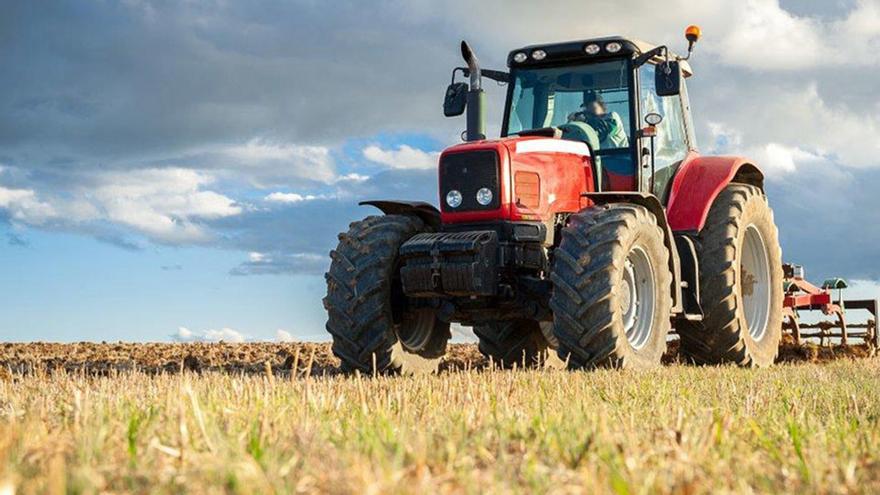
x=495, y=75
x=643, y=58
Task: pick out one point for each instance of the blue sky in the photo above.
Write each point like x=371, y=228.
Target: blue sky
x=181, y=170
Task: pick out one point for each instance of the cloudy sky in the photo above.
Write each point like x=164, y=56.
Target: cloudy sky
x=181, y=169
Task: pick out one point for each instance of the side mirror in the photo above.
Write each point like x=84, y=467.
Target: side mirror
x=455, y=100
x=667, y=78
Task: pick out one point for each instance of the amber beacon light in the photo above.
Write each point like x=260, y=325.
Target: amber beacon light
x=692, y=33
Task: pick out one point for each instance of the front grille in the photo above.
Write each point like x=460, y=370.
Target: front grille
x=467, y=172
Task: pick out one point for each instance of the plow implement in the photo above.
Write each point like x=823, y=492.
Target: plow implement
x=832, y=327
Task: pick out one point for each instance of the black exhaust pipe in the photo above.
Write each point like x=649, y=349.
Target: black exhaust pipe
x=476, y=98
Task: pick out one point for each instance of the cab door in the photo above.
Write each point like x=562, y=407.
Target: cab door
x=673, y=139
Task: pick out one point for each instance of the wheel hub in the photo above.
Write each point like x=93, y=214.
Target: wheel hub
x=636, y=296
x=754, y=282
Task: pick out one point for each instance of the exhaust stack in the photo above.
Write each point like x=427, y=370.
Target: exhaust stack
x=476, y=98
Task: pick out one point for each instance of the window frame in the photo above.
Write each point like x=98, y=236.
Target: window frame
x=687, y=125
x=505, y=124
x=632, y=82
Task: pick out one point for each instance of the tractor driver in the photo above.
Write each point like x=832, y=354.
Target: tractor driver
x=608, y=125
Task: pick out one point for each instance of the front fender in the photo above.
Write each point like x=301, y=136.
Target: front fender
x=425, y=211
x=699, y=181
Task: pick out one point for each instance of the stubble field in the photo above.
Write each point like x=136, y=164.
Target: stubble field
x=277, y=418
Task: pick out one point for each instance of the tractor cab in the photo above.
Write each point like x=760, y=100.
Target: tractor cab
x=602, y=91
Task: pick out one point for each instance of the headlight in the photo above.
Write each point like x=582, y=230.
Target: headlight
x=484, y=196
x=519, y=57
x=613, y=47
x=453, y=198
x=539, y=54
x=591, y=49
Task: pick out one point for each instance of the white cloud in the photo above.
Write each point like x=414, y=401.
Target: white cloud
x=184, y=334
x=282, y=263
x=23, y=205
x=283, y=336
x=404, y=157
x=308, y=162
x=777, y=160
x=786, y=128
x=280, y=197
x=224, y=334
x=765, y=36
x=760, y=34
x=162, y=204
x=352, y=177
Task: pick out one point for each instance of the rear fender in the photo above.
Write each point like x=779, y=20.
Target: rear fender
x=699, y=181
x=425, y=211
x=652, y=204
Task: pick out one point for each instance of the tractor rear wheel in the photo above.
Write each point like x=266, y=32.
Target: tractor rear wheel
x=373, y=327
x=611, y=297
x=513, y=343
x=741, y=286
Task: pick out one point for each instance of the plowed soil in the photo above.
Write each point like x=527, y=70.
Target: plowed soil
x=313, y=359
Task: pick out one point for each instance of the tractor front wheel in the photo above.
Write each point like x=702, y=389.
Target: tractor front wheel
x=741, y=286
x=611, y=297
x=373, y=327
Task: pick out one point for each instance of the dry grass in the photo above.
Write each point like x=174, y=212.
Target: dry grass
x=681, y=429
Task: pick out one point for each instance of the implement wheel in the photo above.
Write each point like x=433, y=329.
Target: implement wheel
x=372, y=325
x=611, y=297
x=741, y=287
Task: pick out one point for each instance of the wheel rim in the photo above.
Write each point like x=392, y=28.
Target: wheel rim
x=754, y=282
x=637, y=298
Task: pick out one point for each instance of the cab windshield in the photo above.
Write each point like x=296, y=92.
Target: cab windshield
x=588, y=102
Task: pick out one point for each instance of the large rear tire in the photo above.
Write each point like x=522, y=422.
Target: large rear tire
x=611, y=297
x=741, y=286
x=513, y=343
x=372, y=326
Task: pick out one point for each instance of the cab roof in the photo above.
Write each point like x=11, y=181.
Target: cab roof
x=571, y=52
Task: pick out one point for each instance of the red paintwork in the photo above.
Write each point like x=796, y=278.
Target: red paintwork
x=563, y=177
x=802, y=294
x=566, y=176
x=695, y=187
x=618, y=182
x=807, y=300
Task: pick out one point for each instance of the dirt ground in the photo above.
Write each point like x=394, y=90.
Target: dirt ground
x=280, y=358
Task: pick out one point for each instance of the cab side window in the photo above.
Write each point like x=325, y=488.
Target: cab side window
x=671, y=143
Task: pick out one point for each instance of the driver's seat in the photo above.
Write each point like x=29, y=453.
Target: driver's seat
x=580, y=131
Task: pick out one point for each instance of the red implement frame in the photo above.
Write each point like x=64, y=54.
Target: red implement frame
x=801, y=295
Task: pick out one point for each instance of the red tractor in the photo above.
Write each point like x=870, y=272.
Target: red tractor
x=591, y=227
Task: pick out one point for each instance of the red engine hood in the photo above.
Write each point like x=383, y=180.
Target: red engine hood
x=563, y=166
